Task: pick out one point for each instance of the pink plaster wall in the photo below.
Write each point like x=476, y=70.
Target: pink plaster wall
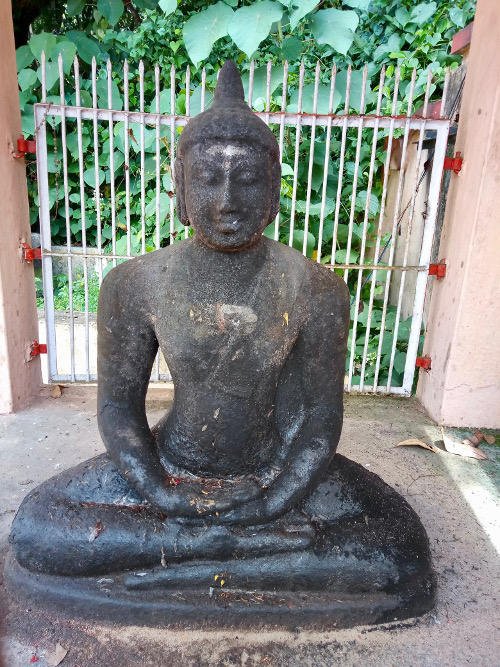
x=463, y=386
x=19, y=379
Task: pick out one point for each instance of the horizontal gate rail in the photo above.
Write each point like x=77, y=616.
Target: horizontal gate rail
x=340, y=187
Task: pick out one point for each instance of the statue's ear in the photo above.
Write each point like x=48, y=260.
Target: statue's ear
x=275, y=189
x=179, y=192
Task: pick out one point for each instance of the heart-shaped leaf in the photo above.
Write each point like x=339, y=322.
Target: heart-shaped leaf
x=112, y=10
x=250, y=25
x=335, y=28
x=202, y=30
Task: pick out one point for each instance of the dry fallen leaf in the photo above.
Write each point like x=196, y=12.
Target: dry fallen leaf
x=415, y=442
x=490, y=439
x=58, y=656
x=285, y=318
x=56, y=391
x=462, y=448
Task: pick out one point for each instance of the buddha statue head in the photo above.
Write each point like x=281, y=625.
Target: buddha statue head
x=227, y=171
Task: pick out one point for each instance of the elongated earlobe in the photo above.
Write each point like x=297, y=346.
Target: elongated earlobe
x=275, y=189
x=179, y=192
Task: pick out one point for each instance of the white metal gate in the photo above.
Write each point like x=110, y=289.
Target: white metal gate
x=344, y=203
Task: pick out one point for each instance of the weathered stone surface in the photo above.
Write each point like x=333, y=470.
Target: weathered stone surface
x=237, y=490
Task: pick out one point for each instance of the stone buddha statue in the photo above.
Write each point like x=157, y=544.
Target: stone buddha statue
x=239, y=486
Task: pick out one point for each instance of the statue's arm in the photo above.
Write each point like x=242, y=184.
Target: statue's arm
x=127, y=347
x=315, y=384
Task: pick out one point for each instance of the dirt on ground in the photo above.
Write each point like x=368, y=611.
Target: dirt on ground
x=455, y=497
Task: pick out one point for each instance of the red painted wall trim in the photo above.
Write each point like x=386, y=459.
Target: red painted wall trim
x=462, y=39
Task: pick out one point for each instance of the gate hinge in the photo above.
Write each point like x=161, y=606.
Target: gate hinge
x=25, y=146
x=438, y=270
x=29, y=254
x=37, y=349
x=423, y=362
x=454, y=163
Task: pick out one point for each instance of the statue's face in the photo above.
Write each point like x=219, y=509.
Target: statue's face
x=228, y=194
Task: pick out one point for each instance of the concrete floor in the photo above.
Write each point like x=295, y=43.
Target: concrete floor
x=456, y=499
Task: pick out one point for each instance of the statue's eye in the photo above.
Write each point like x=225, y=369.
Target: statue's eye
x=247, y=177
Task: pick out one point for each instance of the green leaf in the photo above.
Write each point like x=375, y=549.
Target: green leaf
x=164, y=201
x=402, y=16
x=357, y=4
x=74, y=7
x=86, y=47
x=307, y=99
x=112, y=10
x=164, y=102
x=302, y=8
x=167, y=6
x=250, y=25
x=458, y=17
x=44, y=41
x=422, y=12
x=291, y=48
x=298, y=241
x=195, y=101
x=356, y=87
x=68, y=52
x=202, y=30
x=24, y=57
x=393, y=43
x=102, y=95
x=286, y=170
x=51, y=74
x=146, y=4
x=373, y=205
x=260, y=81
x=335, y=27
x=26, y=78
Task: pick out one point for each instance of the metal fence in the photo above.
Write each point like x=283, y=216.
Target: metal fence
x=105, y=193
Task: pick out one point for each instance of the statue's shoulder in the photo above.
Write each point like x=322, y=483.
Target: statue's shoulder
x=134, y=280
x=316, y=280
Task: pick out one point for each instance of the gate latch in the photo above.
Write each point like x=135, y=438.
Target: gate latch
x=423, y=362
x=37, y=349
x=24, y=146
x=454, y=163
x=29, y=254
x=438, y=270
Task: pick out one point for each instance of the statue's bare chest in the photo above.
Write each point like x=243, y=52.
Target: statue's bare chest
x=229, y=337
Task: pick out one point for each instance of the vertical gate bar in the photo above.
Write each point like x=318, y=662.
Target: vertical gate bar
x=311, y=157
x=326, y=163
x=66, y=216
x=298, y=124
x=111, y=158
x=409, y=230
x=158, y=158
x=46, y=240
x=356, y=171
x=341, y=163
x=395, y=223
x=380, y=221
x=281, y=137
x=444, y=96
x=126, y=148
x=172, y=150
x=188, y=113
x=97, y=192
x=141, y=148
x=203, y=88
x=268, y=92
x=250, y=83
x=425, y=253
x=365, y=227
x=81, y=169
x=43, y=62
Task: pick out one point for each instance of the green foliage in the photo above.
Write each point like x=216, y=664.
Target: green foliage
x=389, y=33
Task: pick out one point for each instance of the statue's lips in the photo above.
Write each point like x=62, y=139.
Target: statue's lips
x=228, y=226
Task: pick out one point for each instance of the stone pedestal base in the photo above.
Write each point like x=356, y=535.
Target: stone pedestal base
x=109, y=598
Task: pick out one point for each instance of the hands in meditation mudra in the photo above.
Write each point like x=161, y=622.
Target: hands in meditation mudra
x=241, y=476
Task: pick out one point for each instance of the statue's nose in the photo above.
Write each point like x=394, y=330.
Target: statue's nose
x=228, y=195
